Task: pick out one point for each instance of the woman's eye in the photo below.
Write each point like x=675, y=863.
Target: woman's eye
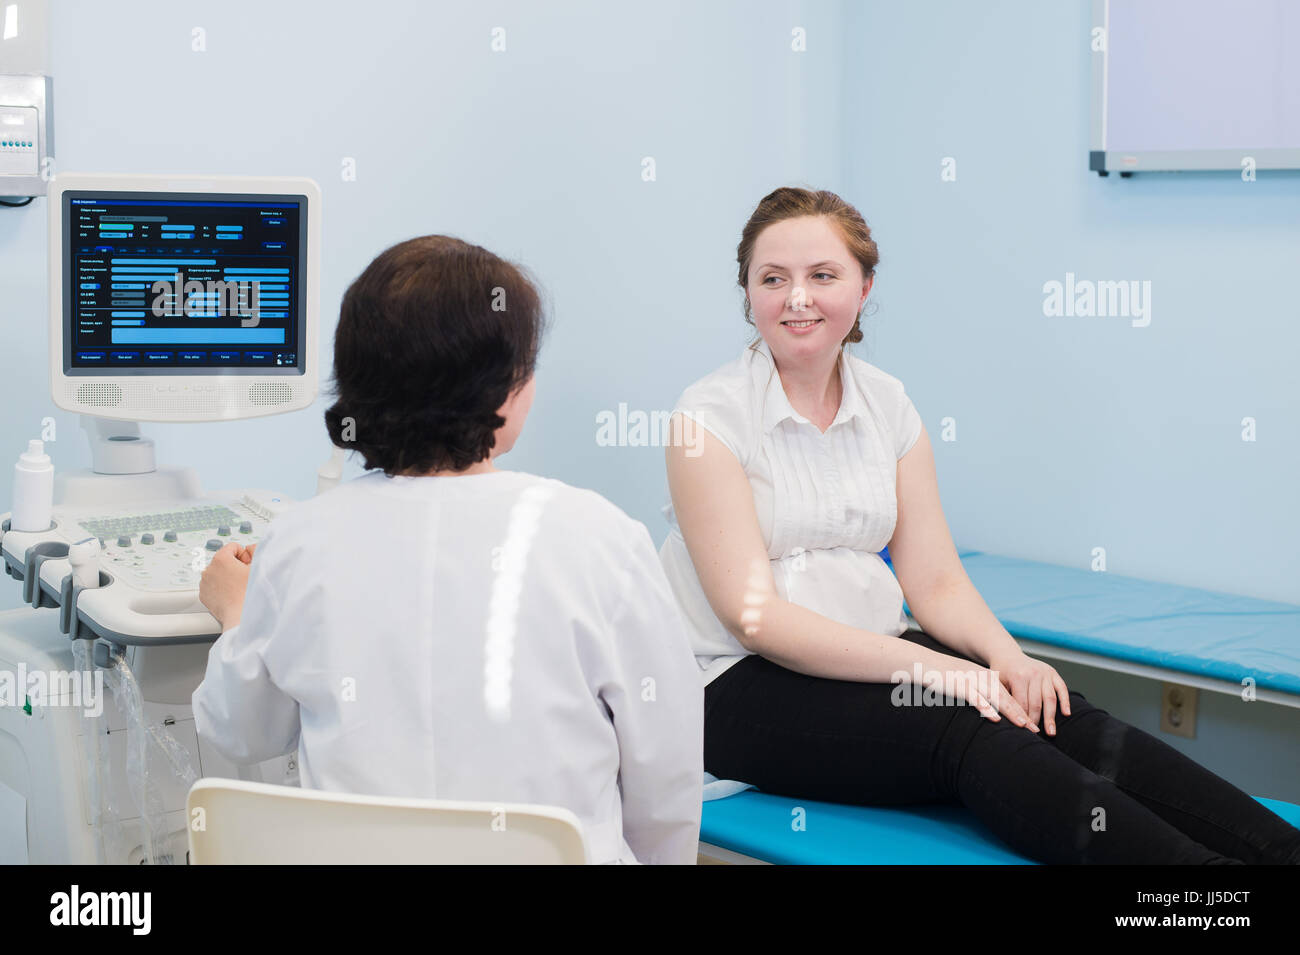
x=765, y=281
x=827, y=274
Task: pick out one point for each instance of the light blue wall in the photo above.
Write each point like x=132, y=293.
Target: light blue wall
x=534, y=153
x=1072, y=433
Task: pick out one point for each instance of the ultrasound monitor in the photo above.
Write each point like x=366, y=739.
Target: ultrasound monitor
x=183, y=298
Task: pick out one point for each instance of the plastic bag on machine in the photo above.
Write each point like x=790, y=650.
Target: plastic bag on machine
x=110, y=840
x=143, y=741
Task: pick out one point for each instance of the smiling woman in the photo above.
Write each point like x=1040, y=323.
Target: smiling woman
x=794, y=223
x=809, y=461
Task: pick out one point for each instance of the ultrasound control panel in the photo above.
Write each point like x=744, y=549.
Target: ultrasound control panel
x=168, y=549
x=151, y=559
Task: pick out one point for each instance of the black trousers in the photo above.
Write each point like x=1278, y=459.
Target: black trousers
x=1099, y=791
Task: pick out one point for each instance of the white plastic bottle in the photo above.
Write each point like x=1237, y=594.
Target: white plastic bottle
x=33, y=490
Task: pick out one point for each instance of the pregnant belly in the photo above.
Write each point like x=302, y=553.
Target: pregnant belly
x=850, y=587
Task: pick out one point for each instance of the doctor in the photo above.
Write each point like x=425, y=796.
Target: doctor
x=439, y=628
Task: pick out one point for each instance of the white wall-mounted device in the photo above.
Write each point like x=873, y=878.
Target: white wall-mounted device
x=26, y=135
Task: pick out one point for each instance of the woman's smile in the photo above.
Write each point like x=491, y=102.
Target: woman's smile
x=801, y=326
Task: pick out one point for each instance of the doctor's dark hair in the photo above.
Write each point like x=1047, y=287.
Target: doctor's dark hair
x=791, y=202
x=433, y=337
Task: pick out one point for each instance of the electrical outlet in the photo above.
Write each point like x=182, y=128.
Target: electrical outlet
x=1178, y=709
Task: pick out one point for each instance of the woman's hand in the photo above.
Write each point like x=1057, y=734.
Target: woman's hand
x=979, y=687
x=221, y=589
x=1035, y=685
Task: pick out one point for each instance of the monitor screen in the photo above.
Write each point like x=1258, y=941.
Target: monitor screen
x=158, y=283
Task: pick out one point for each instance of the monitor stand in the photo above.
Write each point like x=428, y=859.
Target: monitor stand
x=123, y=470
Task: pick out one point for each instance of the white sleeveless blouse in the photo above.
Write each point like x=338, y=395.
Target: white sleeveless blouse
x=826, y=503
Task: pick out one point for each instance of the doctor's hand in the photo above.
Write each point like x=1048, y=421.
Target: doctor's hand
x=1035, y=685
x=221, y=589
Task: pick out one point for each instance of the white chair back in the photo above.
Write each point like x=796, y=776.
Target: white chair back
x=235, y=822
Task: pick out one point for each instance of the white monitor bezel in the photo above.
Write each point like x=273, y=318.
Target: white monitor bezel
x=191, y=397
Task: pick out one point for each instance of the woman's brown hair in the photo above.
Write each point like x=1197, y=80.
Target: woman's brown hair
x=791, y=202
x=433, y=337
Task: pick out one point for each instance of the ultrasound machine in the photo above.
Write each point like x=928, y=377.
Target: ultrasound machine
x=172, y=299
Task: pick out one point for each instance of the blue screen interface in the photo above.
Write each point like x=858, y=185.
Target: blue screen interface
x=169, y=284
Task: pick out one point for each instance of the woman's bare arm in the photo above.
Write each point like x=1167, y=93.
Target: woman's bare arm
x=939, y=594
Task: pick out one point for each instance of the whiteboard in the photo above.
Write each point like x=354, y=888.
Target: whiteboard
x=1195, y=84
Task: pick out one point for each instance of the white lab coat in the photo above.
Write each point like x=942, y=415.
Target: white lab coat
x=486, y=637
